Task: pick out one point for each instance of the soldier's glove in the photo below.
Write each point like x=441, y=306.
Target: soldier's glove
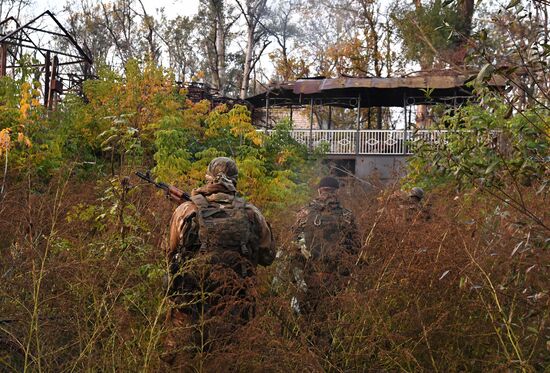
x=175, y=264
x=173, y=279
x=166, y=281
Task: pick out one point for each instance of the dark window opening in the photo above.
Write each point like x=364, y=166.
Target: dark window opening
x=341, y=167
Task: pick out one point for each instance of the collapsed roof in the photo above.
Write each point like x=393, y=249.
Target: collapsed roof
x=369, y=92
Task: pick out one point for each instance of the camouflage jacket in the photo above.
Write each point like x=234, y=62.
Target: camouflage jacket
x=326, y=233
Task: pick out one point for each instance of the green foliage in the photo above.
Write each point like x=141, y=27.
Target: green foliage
x=273, y=168
x=140, y=118
x=428, y=29
x=84, y=259
x=172, y=157
x=9, y=99
x=144, y=95
x=275, y=174
x=489, y=149
x=487, y=146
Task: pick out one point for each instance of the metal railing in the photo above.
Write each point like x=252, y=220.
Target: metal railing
x=365, y=141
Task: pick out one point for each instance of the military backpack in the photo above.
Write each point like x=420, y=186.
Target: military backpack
x=325, y=228
x=222, y=227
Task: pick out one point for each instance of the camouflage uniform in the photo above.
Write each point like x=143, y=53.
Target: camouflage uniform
x=412, y=206
x=216, y=241
x=328, y=243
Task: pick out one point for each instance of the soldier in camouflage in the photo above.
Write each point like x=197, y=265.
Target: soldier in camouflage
x=413, y=207
x=328, y=244
x=216, y=241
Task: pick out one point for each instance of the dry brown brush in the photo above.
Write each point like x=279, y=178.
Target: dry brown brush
x=460, y=285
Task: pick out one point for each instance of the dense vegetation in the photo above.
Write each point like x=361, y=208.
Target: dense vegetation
x=461, y=285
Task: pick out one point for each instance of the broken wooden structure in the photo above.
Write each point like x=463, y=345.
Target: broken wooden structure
x=197, y=92
x=44, y=45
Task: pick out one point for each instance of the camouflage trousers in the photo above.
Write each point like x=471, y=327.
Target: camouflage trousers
x=207, y=311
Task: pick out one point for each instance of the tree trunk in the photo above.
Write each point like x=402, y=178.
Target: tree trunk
x=220, y=50
x=466, y=13
x=247, y=62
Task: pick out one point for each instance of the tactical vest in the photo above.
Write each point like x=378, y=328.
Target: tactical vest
x=325, y=227
x=224, y=225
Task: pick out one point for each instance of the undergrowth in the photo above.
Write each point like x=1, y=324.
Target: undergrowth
x=459, y=285
x=463, y=287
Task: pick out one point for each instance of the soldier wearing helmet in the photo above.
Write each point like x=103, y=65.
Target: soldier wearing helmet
x=328, y=242
x=412, y=205
x=216, y=241
x=416, y=194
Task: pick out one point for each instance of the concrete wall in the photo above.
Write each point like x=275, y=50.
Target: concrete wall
x=384, y=167
x=300, y=117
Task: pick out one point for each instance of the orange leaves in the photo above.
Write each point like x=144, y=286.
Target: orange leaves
x=24, y=109
x=20, y=115
x=5, y=140
x=24, y=104
x=289, y=68
x=282, y=157
x=195, y=115
x=147, y=91
x=200, y=75
x=350, y=56
x=24, y=140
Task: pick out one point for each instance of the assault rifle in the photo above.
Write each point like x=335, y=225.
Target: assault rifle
x=175, y=194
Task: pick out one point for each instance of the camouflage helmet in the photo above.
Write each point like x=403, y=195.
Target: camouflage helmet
x=417, y=192
x=223, y=165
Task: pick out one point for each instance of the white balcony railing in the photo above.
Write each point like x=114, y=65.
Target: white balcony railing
x=369, y=142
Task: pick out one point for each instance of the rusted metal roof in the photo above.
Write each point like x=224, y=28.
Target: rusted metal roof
x=418, y=82
x=372, y=91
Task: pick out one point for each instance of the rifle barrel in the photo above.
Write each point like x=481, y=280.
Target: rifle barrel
x=173, y=192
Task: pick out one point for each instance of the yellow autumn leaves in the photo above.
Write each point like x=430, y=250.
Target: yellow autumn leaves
x=237, y=121
x=5, y=140
x=24, y=116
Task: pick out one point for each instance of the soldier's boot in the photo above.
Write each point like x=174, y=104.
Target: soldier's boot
x=177, y=340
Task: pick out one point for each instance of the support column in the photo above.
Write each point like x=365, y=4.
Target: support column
x=267, y=111
x=406, y=123
x=410, y=115
x=47, y=74
x=291, y=115
x=54, y=85
x=3, y=59
x=329, y=117
x=368, y=118
x=311, y=124
x=267, y=125
x=358, y=133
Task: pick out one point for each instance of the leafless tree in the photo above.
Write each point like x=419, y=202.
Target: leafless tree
x=13, y=8
x=254, y=12
x=215, y=19
x=281, y=26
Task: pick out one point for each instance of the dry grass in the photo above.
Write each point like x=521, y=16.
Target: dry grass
x=466, y=290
